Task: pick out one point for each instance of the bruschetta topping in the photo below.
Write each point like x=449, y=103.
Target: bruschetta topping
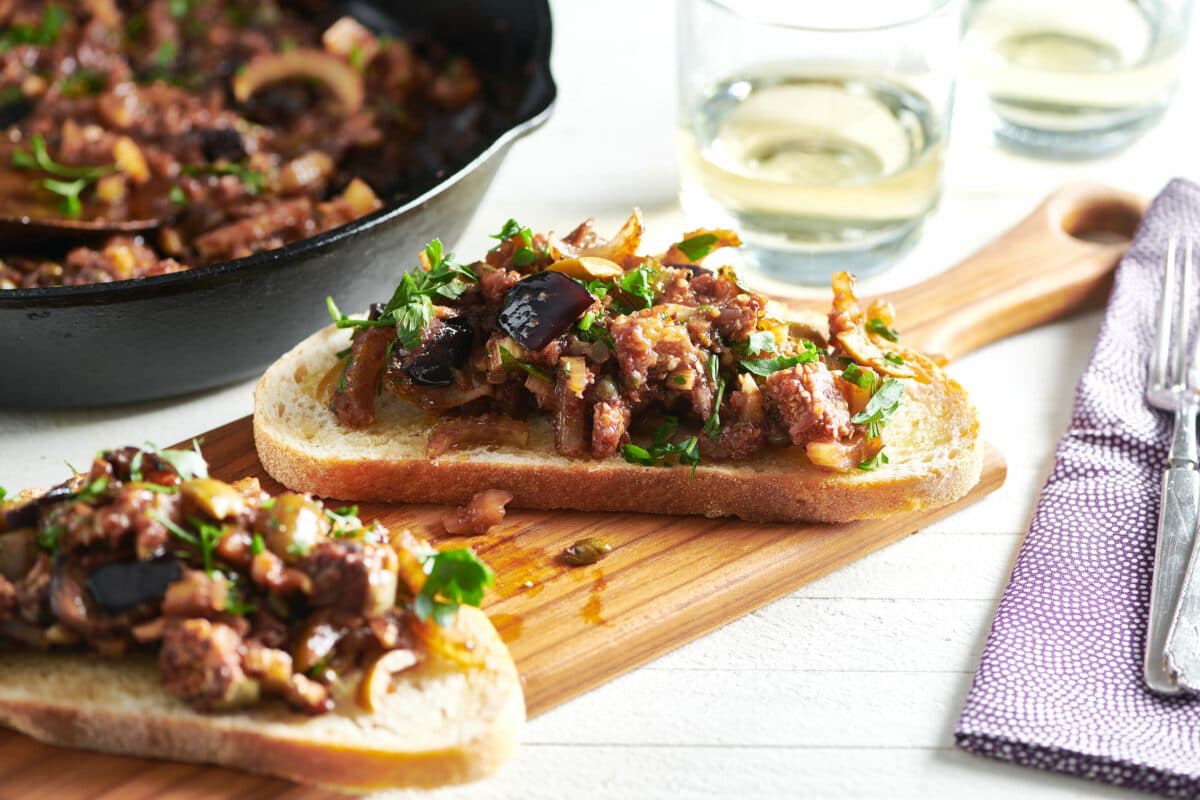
x=657, y=359
x=245, y=595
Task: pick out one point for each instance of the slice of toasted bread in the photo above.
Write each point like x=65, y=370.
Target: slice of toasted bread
x=442, y=723
x=933, y=443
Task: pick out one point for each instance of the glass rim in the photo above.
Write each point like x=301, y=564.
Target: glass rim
x=937, y=7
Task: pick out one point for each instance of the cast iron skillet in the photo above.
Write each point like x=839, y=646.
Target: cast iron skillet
x=171, y=334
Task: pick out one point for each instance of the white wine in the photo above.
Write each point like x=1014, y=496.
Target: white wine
x=818, y=162
x=1071, y=66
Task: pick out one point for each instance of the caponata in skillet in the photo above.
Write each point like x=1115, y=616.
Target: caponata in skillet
x=231, y=126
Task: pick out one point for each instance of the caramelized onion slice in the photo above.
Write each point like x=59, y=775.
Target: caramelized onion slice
x=339, y=77
x=455, y=432
x=377, y=677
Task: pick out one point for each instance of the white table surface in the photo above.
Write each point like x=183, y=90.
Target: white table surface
x=850, y=687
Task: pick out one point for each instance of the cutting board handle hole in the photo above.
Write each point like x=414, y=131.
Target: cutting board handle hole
x=1103, y=221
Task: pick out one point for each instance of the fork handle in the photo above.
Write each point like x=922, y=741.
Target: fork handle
x=1176, y=535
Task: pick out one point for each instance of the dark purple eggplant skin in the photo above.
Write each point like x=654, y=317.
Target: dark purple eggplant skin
x=26, y=516
x=541, y=308
x=445, y=351
x=123, y=585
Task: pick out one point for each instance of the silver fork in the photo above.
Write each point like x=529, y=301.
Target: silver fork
x=1172, y=385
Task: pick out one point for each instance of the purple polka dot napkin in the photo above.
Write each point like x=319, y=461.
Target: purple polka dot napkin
x=1059, y=684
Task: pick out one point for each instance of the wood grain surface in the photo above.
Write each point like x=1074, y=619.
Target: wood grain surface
x=667, y=580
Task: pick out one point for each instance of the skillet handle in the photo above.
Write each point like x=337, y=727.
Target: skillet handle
x=1057, y=261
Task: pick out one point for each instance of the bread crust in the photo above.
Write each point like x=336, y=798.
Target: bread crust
x=443, y=723
x=934, y=443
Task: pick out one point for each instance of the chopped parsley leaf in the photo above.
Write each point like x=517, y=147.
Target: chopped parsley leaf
x=188, y=463
x=697, y=247
x=875, y=325
x=54, y=18
x=513, y=228
x=69, y=191
x=93, y=490
x=411, y=307
x=637, y=283
x=893, y=358
x=509, y=360
x=874, y=462
x=177, y=196
x=766, y=366
x=687, y=451
x=861, y=378
x=49, y=537
x=713, y=424
x=455, y=578
x=345, y=521
x=880, y=407
x=257, y=545
x=523, y=257
x=759, y=342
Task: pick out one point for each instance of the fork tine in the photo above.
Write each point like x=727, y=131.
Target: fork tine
x=1182, y=319
x=1162, y=334
x=1194, y=364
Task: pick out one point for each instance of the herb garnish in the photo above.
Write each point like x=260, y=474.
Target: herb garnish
x=93, y=490
x=861, y=378
x=766, y=366
x=688, y=451
x=177, y=196
x=697, y=247
x=252, y=179
x=206, y=538
x=3, y=493
x=713, y=424
x=523, y=256
x=68, y=182
x=456, y=577
x=345, y=521
x=893, y=358
x=54, y=18
x=509, y=360
x=84, y=83
x=411, y=306
x=759, y=342
x=188, y=463
x=69, y=191
x=874, y=462
x=257, y=545
x=637, y=283
x=877, y=326
x=880, y=407
x=49, y=537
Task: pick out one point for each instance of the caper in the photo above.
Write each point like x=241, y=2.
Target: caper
x=217, y=499
x=586, y=551
x=292, y=526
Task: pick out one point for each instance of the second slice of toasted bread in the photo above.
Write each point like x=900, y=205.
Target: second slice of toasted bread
x=443, y=722
x=933, y=443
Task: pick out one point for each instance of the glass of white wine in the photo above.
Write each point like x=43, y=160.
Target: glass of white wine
x=1075, y=78
x=816, y=129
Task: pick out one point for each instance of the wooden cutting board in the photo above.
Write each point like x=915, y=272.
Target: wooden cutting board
x=668, y=580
